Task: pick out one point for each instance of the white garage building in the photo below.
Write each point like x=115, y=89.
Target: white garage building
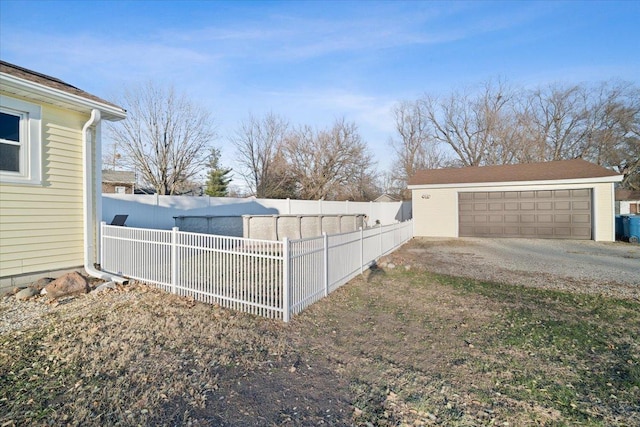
x=566, y=199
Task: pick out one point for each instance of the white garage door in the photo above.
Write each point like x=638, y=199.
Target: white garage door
x=549, y=214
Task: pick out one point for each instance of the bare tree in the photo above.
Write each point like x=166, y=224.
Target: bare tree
x=259, y=143
x=111, y=158
x=414, y=149
x=499, y=125
x=631, y=165
x=559, y=120
x=529, y=147
x=330, y=164
x=471, y=123
x=615, y=132
x=390, y=184
x=165, y=138
x=599, y=123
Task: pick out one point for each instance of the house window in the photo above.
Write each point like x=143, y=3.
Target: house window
x=121, y=190
x=10, y=142
x=19, y=141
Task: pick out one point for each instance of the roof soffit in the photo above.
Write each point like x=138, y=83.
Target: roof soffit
x=581, y=181
x=42, y=93
x=575, y=169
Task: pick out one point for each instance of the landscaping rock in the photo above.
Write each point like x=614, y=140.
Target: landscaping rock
x=13, y=291
x=39, y=284
x=69, y=284
x=26, y=293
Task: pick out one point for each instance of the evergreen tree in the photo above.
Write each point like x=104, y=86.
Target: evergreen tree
x=218, y=179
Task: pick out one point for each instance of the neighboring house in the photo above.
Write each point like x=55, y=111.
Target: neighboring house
x=50, y=149
x=144, y=190
x=567, y=199
x=119, y=182
x=627, y=202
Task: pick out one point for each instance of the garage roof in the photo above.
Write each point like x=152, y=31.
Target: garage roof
x=547, y=171
x=118, y=177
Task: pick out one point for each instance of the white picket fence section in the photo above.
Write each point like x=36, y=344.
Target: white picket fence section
x=274, y=279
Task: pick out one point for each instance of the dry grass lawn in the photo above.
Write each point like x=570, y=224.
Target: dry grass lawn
x=395, y=347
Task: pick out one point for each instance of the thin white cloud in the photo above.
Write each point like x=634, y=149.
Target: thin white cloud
x=279, y=37
x=216, y=34
x=581, y=74
x=110, y=63
x=319, y=107
x=316, y=65
x=299, y=36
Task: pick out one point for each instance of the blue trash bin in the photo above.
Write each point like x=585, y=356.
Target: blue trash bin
x=634, y=228
x=619, y=227
x=625, y=228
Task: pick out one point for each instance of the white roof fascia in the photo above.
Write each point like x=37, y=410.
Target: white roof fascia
x=599, y=180
x=61, y=98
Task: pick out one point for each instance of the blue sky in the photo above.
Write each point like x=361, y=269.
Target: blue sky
x=313, y=62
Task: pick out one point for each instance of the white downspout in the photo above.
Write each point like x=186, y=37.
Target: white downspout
x=88, y=203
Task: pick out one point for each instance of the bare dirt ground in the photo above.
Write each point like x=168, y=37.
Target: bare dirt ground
x=400, y=345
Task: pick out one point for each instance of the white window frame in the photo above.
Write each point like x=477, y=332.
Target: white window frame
x=30, y=141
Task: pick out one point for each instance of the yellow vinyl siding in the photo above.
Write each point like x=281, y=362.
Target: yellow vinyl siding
x=52, y=216
x=38, y=245
x=51, y=195
x=54, y=233
x=35, y=204
x=41, y=226
x=44, y=261
x=32, y=226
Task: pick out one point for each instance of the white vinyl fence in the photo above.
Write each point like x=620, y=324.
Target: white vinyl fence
x=275, y=279
x=154, y=211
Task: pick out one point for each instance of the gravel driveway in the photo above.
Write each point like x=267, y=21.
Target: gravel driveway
x=594, y=267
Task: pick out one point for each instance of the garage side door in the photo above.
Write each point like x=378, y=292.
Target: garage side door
x=548, y=214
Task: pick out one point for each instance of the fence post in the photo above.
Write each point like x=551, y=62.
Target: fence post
x=174, y=259
x=101, y=248
x=325, y=252
x=361, y=251
x=380, y=239
x=286, y=279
